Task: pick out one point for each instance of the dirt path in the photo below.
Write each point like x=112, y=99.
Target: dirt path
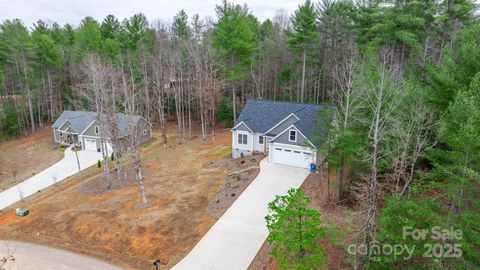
x=33, y=257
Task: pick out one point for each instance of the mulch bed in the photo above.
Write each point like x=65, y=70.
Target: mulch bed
x=241, y=173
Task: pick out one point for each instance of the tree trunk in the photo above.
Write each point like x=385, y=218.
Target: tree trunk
x=50, y=93
x=29, y=95
x=234, y=103
x=302, y=89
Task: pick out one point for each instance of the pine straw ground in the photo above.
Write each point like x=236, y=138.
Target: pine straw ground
x=181, y=183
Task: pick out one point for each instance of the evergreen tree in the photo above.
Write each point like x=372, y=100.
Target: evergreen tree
x=88, y=38
x=304, y=33
x=234, y=37
x=8, y=120
x=16, y=48
x=295, y=229
x=225, y=112
x=50, y=58
x=110, y=27
x=180, y=26
x=134, y=31
x=457, y=69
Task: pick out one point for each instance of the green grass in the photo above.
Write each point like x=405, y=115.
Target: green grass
x=224, y=151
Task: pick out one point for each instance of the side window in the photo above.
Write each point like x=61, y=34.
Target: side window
x=292, y=135
x=97, y=130
x=242, y=139
x=260, y=139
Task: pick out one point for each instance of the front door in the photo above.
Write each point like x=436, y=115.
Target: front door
x=266, y=142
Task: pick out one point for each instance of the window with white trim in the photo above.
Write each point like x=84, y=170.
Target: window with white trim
x=292, y=135
x=144, y=132
x=243, y=139
x=97, y=130
x=260, y=139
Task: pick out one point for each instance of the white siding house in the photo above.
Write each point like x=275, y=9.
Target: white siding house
x=279, y=129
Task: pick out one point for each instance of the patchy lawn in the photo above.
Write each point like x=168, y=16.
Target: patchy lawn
x=24, y=157
x=181, y=182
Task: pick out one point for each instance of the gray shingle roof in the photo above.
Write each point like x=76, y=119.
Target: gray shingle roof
x=262, y=115
x=80, y=120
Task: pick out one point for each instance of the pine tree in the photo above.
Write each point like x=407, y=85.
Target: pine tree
x=180, y=26
x=234, y=37
x=304, y=33
x=50, y=58
x=295, y=229
x=8, y=120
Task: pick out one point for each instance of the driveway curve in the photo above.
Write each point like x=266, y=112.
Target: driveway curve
x=234, y=240
x=32, y=257
x=53, y=174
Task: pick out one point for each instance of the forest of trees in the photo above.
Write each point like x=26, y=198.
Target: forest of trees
x=403, y=77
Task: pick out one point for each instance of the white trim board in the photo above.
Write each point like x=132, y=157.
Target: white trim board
x=283, y=120
x=234, y=128
x=294, y=127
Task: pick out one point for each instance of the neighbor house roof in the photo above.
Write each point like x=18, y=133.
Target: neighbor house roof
x=262, y=115
x=80, y=120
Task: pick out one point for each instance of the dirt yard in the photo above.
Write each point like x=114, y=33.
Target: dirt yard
x=340, y=217
x=182, y=184
x=24, y=157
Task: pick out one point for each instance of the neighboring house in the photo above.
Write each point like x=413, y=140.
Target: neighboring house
x=84, y=129
x=282, y=130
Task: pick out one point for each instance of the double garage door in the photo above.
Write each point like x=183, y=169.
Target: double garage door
x=91, y=145
x=293, y=156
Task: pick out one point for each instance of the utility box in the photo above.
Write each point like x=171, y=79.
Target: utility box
x=21, y=212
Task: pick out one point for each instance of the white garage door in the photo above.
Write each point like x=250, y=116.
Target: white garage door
x=109, y=148
x=90, y=144
x=293, y=157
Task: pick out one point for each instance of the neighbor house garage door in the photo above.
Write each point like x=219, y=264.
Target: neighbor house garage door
x=90, y=144
x=293, y=157
x=109, y=147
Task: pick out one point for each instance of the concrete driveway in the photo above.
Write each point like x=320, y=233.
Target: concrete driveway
x=33, y=257
x=236, y=237
x=54, y=174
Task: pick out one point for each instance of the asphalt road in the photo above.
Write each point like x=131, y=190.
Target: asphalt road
x=35, y=257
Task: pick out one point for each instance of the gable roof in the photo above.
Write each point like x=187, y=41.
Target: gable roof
x=81, y=120
x=262, y=115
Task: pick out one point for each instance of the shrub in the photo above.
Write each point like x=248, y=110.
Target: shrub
x=225, y=112
x=9, y=120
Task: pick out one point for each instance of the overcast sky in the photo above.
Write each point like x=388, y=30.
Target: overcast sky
x=72, y=11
